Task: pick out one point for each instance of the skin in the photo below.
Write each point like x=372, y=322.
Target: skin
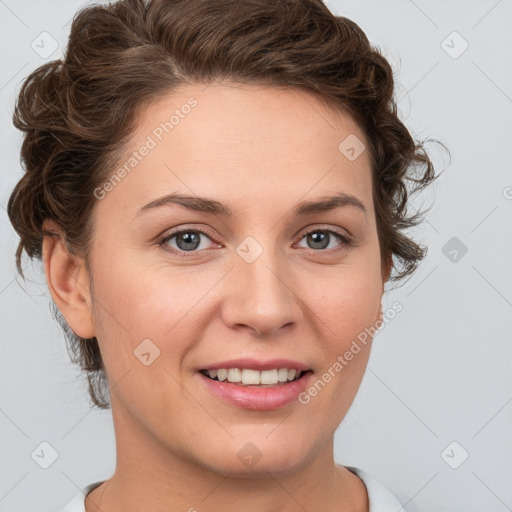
x=260, y=151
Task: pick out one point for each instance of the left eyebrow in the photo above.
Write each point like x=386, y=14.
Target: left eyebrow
x=205, y=205
x=340, y=200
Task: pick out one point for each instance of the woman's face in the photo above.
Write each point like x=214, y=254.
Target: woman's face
x=251, y=284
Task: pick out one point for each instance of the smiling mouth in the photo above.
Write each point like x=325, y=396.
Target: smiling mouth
x=255, y=378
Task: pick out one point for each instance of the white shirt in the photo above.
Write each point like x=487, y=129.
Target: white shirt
x=379, y=497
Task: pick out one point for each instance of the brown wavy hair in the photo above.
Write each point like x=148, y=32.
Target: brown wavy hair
x=78, y=112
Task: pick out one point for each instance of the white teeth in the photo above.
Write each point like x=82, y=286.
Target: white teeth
x=282, y=375
x=250, y=377
x=234, y=375
x=269, y=377
x=254, y=377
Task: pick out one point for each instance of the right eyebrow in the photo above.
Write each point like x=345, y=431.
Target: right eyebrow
x=194, y=203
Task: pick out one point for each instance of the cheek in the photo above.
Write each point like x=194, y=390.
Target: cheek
x=137, y=309
x=347, y=300
x=150, y=303
x=136, y=299
x=126, y=312
x=346, y=308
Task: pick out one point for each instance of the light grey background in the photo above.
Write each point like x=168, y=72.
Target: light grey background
x=439, y=372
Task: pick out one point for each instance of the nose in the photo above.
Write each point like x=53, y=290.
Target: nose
x=260, y=296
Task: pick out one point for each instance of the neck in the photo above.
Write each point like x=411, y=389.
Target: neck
x=151, y=476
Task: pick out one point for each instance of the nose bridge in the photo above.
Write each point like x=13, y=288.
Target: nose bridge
x=262, y=295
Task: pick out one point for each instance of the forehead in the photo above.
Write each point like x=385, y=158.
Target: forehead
x=267, y=141
x=262, y=113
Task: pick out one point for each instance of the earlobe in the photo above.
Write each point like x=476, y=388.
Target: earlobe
x=68, y=282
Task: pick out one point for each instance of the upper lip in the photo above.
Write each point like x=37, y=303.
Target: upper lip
x=254, y=364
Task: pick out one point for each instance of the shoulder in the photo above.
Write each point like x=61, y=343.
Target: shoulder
x=380, y=498
x=77, y=504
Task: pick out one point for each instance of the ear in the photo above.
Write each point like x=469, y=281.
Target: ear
x=68, y=282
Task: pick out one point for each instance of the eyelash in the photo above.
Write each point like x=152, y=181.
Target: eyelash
x=346, y=242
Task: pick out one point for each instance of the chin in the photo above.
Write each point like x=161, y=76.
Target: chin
x=257, y=460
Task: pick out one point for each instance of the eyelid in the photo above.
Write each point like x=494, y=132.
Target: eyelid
x=166, y=236
x=345, y=238
x=325, y=227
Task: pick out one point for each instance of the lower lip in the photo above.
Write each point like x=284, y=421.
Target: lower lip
x=261, y=398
